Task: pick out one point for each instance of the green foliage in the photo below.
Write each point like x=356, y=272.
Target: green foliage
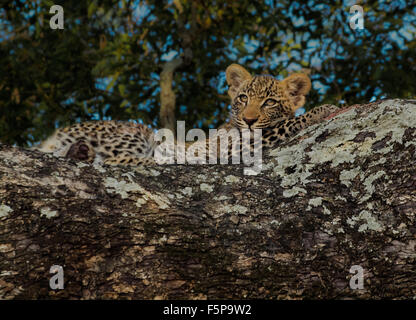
x=106, y=62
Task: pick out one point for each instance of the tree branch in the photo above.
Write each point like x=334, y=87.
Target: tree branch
x=340, y=193
x=167, y=95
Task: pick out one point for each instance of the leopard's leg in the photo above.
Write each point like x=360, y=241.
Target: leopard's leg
x=292, y=126
x=246, y=148
x=318, y=114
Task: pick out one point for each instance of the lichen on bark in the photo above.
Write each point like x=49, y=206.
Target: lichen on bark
x=340, y=193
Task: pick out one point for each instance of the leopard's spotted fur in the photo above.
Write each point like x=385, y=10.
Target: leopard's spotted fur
x=108, y=142
x=258, y=102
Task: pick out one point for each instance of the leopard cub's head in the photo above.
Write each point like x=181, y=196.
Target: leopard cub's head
x=263, y=101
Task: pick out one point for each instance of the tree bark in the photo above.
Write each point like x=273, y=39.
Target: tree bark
x=338, y=194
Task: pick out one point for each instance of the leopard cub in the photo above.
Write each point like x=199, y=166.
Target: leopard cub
x=263, y=102
x=257, y=102
x=108, y=142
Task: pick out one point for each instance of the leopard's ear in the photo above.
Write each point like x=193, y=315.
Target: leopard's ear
x=297, y=87
x=235, y=75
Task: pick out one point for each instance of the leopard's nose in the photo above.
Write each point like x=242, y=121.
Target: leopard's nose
x=250, y=121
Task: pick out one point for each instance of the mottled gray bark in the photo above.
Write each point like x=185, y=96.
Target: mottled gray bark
x=340, y=193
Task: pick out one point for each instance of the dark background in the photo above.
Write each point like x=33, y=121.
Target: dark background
x=106, y=62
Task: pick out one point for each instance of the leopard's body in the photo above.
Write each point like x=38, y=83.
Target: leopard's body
x=258, y=102
x=109, y=142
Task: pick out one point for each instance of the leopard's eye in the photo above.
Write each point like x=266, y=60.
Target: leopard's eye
x=243, y=98
x=270, y=102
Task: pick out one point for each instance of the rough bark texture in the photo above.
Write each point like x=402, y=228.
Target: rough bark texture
x=340, y=193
